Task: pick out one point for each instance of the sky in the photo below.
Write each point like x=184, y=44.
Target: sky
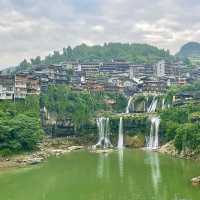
x=29, y=28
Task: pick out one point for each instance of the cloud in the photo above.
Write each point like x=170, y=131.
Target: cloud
x=33, y=27
x=98, y=28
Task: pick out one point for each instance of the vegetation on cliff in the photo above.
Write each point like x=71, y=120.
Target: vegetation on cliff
x=182, y=122
x=80, y=106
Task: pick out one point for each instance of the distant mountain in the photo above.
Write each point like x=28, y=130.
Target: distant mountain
x=191, y=49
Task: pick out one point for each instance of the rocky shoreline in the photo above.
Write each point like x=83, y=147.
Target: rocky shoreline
x=47, y=148
x=170, y=149
x=59, y=146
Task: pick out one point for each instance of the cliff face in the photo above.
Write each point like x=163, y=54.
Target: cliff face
x=56, y=127
x=134, y=125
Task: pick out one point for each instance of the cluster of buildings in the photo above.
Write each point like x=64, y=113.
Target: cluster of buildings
x=127, y=77
x=18, y=86
x=32, y=82
x=116, y=76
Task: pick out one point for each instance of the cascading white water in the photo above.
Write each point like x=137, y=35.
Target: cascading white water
x=153, y=139
x=153, y=105
x=104, y=133
x=163, y=103
x=129, y=104
x=121, y=136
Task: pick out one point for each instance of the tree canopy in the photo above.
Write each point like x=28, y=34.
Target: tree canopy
x=137, y=53
x=20, y=128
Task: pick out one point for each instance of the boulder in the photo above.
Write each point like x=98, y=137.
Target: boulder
x=168, y=148
x=137, y=141
x=73, y=148
x=35, y=161
x=196, y=181
x=58, y=152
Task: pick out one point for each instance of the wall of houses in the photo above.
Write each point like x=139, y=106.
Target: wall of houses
x=114, y=76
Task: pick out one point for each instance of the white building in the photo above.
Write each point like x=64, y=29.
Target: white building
x=160, y=69
x=6, y=87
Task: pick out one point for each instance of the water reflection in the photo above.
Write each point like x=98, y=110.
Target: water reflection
x=154, y=162
x=121, y=162
x=100, y=166
x=103, y=166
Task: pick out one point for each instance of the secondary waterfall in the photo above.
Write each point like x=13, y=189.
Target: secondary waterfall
x=163, y=103
x=121, y=136
x=153, y=105
x=104, y=133
x=153, y=139
x=129, y=104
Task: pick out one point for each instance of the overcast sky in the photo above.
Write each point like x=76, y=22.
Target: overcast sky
x=36, y=27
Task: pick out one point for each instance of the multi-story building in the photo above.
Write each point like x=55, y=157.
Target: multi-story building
x=148, y=70
x=57, y=75
x=115, y=68
x=154, y=86
x=195, y=73
x=90, y=68
x=50, y=74
x=6, y=87
x=20, y=86
x=25, y=85
x=136, y=71
x=33, y=86
x=159, y=69
x=182, y=81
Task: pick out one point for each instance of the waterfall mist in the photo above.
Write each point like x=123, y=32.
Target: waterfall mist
x=153, y=139
x=153, y=105
x=129, y=104
x=121, y=136
x=104, y=133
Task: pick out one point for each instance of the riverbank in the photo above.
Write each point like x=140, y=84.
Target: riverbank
x=59, y=146
x=48, y=147
x=170, y=149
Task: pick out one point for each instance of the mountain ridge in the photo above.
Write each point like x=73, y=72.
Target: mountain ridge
x=189, y=49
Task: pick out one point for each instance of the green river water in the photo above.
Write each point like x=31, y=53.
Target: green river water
x=123, y=175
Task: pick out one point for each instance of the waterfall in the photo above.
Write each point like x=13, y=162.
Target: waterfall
x=129, y=104
x=153, y=139
x=121, y=137
x=104, y=133
x=153, y=105
x=163, y=103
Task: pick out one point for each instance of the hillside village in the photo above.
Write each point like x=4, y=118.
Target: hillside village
x=115, y=76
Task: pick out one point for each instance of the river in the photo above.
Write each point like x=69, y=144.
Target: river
x=120, y=175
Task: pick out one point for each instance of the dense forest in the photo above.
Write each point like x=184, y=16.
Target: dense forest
x=182, y=123
x=20, y=128
x=137, y=53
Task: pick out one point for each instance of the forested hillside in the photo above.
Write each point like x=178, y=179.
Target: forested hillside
x=137, y=53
